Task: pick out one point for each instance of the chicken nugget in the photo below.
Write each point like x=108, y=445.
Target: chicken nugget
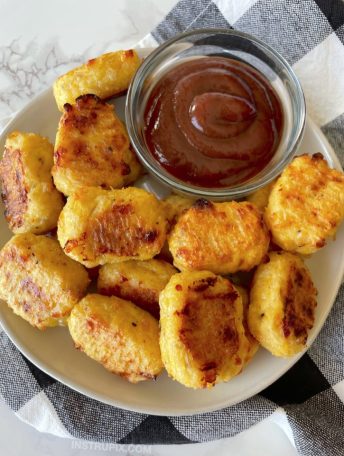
x=219, y=237
x=282, y=304
x=92, y=148
x=105, y=76
x=38, y=281
x=137, y=281
x=117, y=334
x=306, y=205
x=253, y=344
x=108, y=226
x=32, y=203
x=202, y=337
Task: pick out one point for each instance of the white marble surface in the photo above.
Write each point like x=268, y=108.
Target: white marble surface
x=40, y=39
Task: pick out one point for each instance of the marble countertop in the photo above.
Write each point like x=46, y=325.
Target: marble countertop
x=40, y=40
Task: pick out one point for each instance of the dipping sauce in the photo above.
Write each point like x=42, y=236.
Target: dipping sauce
x=213, y=122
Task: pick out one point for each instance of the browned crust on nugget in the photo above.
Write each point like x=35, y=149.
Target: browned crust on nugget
x=140, y=282
x=117, y=334
x=298, y=308
x=306, y=205
x=145, y=298
x=197, y=336
x=106, y=226
x=14, y=192
x=111, y=231
x=219, y=237
x=202, y=337
x=82, y=117
x=92, y=147
x=38, y=281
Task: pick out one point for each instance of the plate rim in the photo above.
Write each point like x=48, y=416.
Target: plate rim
x=164, y=412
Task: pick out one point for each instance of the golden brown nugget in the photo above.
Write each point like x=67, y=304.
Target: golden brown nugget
x=202, y=337
x=253, y=344
x=105, y=76
x=219, y=237
x=261, y=196
x=108, y=226
x=282, y=304
x=117, y=334
x=140, y=282
x=306, y=205
x=38, y=281
x=32, y=203
x=92, y=148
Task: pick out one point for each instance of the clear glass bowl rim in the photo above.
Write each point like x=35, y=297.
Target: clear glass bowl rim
x=238, y=191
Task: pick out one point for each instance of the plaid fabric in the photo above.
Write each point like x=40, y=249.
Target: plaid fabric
x=310, y=34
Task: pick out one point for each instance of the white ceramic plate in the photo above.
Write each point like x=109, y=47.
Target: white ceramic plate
x=53, y=350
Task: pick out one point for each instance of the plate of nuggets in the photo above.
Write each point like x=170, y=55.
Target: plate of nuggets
x=145, y=299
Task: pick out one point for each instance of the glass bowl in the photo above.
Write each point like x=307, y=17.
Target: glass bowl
x=223, y=43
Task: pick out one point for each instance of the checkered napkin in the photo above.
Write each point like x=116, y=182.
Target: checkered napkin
x=310, y=35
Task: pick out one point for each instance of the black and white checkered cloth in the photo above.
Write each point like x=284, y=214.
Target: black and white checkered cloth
x=310, y=35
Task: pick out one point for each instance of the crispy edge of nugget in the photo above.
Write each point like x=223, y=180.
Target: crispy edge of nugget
x=92, y=148
x=140, y=282
x=253, y=344
x=220, y=237
x=306, y=205
x=105, y=76
x=282, y=304
x=108, y=226
x=38, y=281
x=174, y=206
x=117, y=334
x=32, y=203
x=199, y=347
